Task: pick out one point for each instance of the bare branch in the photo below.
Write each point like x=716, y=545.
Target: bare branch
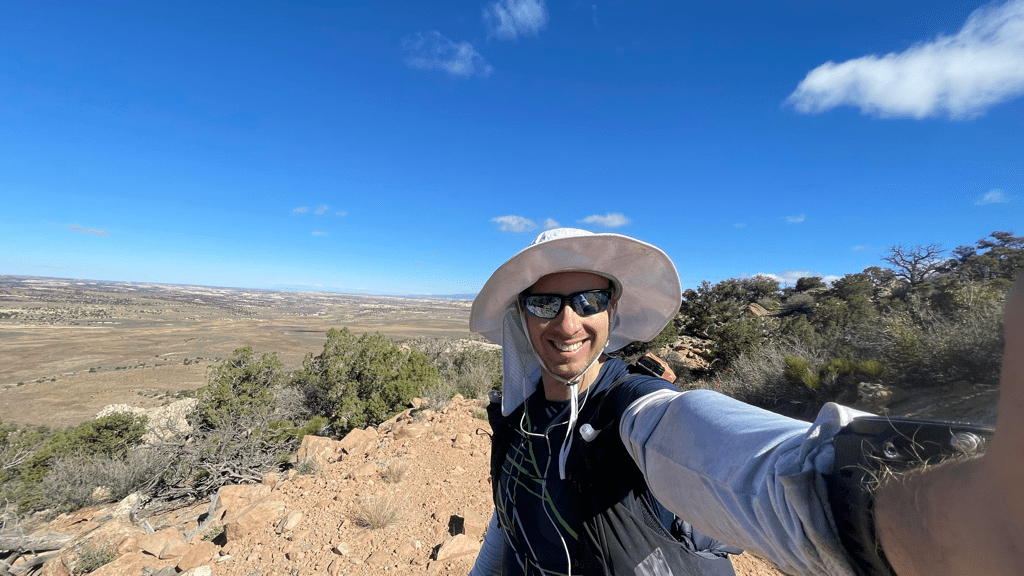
x=915, y=264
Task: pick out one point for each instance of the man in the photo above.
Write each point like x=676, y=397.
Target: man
x=741, y=475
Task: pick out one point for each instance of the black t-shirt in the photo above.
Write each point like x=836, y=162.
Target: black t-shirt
x=539, y=510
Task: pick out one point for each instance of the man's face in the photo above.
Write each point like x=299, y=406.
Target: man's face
x=568, y=343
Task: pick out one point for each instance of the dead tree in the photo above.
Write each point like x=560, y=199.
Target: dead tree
x=915, y=264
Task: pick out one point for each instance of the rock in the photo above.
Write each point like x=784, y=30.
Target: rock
x=379, y=558
x=55, y=567
x=201, y=553
x=154, y=544
x=318, y=448
x=474, y=524
x=358, y=442
x=342, y=548
x=174, y=550
x=289, y=522
x=460, y=545
x=127, y=506
x=462, y=440
x=411, y=430
x=101, y=494
x=365, y=471
x=261, y=514
x=198, y=571
x=234, y=499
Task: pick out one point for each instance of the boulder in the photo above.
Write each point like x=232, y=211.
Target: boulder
x=199, y=554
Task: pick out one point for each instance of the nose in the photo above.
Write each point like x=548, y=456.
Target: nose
x=568, y=321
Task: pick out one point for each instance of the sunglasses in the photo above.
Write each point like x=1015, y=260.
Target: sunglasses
x=547, y=306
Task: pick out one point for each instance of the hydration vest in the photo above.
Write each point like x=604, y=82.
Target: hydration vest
x=625, y=530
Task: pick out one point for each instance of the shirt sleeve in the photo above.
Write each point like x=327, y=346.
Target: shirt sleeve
x=742, y=475
x=488, y=561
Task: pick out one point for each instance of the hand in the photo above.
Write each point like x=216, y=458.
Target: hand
x=967, y=518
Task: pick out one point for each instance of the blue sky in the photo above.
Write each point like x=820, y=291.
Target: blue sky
x=411, y=148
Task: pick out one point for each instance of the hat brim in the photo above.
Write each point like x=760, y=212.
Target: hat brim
x=650, y=295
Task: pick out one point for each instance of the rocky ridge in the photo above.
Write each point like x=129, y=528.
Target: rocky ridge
x=429, y=468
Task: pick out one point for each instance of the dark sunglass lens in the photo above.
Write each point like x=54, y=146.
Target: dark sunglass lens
x=590, y=303
x=543, y=306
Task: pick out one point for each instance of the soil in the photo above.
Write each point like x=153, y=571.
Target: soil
x=435, y=470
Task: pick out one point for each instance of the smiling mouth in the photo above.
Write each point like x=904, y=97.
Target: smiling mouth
x=569, y=347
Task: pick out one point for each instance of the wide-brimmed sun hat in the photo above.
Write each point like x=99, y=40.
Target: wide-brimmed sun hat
x=646, y=286
x=646, y=281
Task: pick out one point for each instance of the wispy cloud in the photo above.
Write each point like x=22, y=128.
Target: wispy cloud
x=611, y=220
x=514, y=224
x=300, y=210
x=959, y=76
x=795, y=219
x=321, y=209
x=551, y=224
x=434, y=51
x=739, y=225
x=93, y=231
x=509, y=19
x=341, y=213
x=319, y=233
x=858, y=248
x=994, y=196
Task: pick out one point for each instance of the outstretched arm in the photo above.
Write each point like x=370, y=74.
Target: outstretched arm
x=966, y=517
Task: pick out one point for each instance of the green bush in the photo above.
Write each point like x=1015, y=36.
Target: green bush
x=798, y=371
x=110, y=436
x=242, y=384
x=359, y=381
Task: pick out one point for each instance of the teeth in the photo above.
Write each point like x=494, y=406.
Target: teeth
x=568, y=347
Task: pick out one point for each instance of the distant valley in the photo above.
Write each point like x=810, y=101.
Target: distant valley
x=69, y=347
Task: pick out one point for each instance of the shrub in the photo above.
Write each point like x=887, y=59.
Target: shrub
x=71, y=481
x=242, y=384
x=375, y=512
x=90, y=558
x=396, y=471
x=362, y=381
x=465, y=368
x=111, y=436
x=798, y=372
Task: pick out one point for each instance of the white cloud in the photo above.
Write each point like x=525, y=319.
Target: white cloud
x=789, y=277
x=433, y=51
x=739, y=225
x=93, y=231
x=611, y=220
x=994, y=196
x=514, y=224
x=795, y=219
x=319, y=233
x=858, y=248
x=959, y=76
x=341, y=213
x=322, y=209
x=509, y=19
x=300, y=210
x=551, y=224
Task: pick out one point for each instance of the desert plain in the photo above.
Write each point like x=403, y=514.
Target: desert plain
x=70, y=347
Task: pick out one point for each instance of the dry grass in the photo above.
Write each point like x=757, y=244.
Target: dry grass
x=396, y=471
x=377, y=511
